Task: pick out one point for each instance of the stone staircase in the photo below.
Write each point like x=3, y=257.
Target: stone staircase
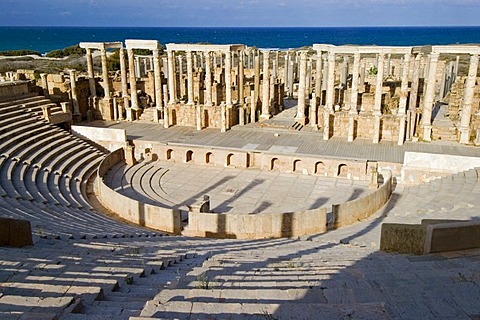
x=147, y=115
x=442, y=127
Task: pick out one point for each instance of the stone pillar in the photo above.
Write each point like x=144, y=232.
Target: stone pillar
x=313, y=111
x=377, y=108
x=344, y=74
x=115, y=109
x=158, y=85
x=228, y=78
x=326, y=124
x=253, y=106
x=73, y=86
x=133, y=79
x=389, y=65
x=106, y=80
x=189, y=78
x=318, y=78
x=285, y=71
x=266, y=86
x=208, y=78
x=402, y=105
x=330, y=82
x=223, y=117
x=300, y=116
x=46, y=92
x=137, y=70
x=91, y=75
x=353, y=97
x=240, y=78
x=291, y=66
x=414, y=94
x=429, y=97
x=355, y=77
x=123, y=72
x=171, y=77
x=198, y=116
x=468, y=94
x=256, y=85
x=180, y=66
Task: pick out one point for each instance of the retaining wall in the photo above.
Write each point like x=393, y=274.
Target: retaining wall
x=359, y=209
x=155, y=217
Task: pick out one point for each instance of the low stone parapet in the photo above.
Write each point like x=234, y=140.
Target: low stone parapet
x=155, y=217
x=359, y=209
x=256, y=226
x=430, y=236
x=15, y=232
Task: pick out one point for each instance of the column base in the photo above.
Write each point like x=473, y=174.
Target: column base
x=464, y=135
x=301, y=120
x=427, y=133
x=376, y=128
x=264, y=116
x=401, y=130
x=156, y=116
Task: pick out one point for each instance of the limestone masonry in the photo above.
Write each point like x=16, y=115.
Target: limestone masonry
x=203, y=181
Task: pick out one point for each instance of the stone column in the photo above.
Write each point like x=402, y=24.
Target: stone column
x=353, y=97
x=91, y=75
x=46, y=92
x=429, y=97
x=198, y=116
x=468, y=94
x=318, y=78
x=414, y=94
x=256, y=86
x=208, y=78
x=402, y=105
x=228, y=78
x=313, y=111
x=223, y=117
x=266, y=86
x=389, y=65
x=137, y=70
x=73, y=87
x=171, y=77
x=344, y=74
x=253, y=106
x=158, y=84
x=285, y=71
x=189, y=78
x=300, y=116
x=106, y=80
x=123, y=71
x=133, y=79
x=240, y=78
x=330, y=82
x=115, y=109
x=377, y=108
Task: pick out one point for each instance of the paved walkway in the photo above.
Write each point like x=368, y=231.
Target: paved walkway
x=283, y=140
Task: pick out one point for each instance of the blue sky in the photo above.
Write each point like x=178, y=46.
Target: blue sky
x=202, y=13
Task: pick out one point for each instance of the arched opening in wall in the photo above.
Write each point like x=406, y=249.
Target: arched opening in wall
x=229, y=159
x=274, y=163
x=169, y=154
x=297, y=166
x=320, y=168
x=342, y=170
x=188, y=156
x=209, y=157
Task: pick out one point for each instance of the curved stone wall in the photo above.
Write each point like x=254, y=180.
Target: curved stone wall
x=155, y=217
x=238, y=226
x=359, y=209
x=256, y=226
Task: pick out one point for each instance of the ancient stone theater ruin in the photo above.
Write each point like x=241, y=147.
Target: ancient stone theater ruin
x=202, y=181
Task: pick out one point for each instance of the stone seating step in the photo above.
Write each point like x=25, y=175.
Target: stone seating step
x=36, y=157
x=64, y=156
x=30, y=183
x=45, y=157
x=13, y=113
x=25, y=143
x=255, y=310
x=16, y=130
x=81, y=156
x=17, y=121
x=17, y=102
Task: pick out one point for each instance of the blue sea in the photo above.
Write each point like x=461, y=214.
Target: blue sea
x=45, y=39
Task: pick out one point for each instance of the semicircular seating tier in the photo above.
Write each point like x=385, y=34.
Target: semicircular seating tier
x=44, y=172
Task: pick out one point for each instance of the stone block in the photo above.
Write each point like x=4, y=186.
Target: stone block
x=15, y=232
x=402, y=238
